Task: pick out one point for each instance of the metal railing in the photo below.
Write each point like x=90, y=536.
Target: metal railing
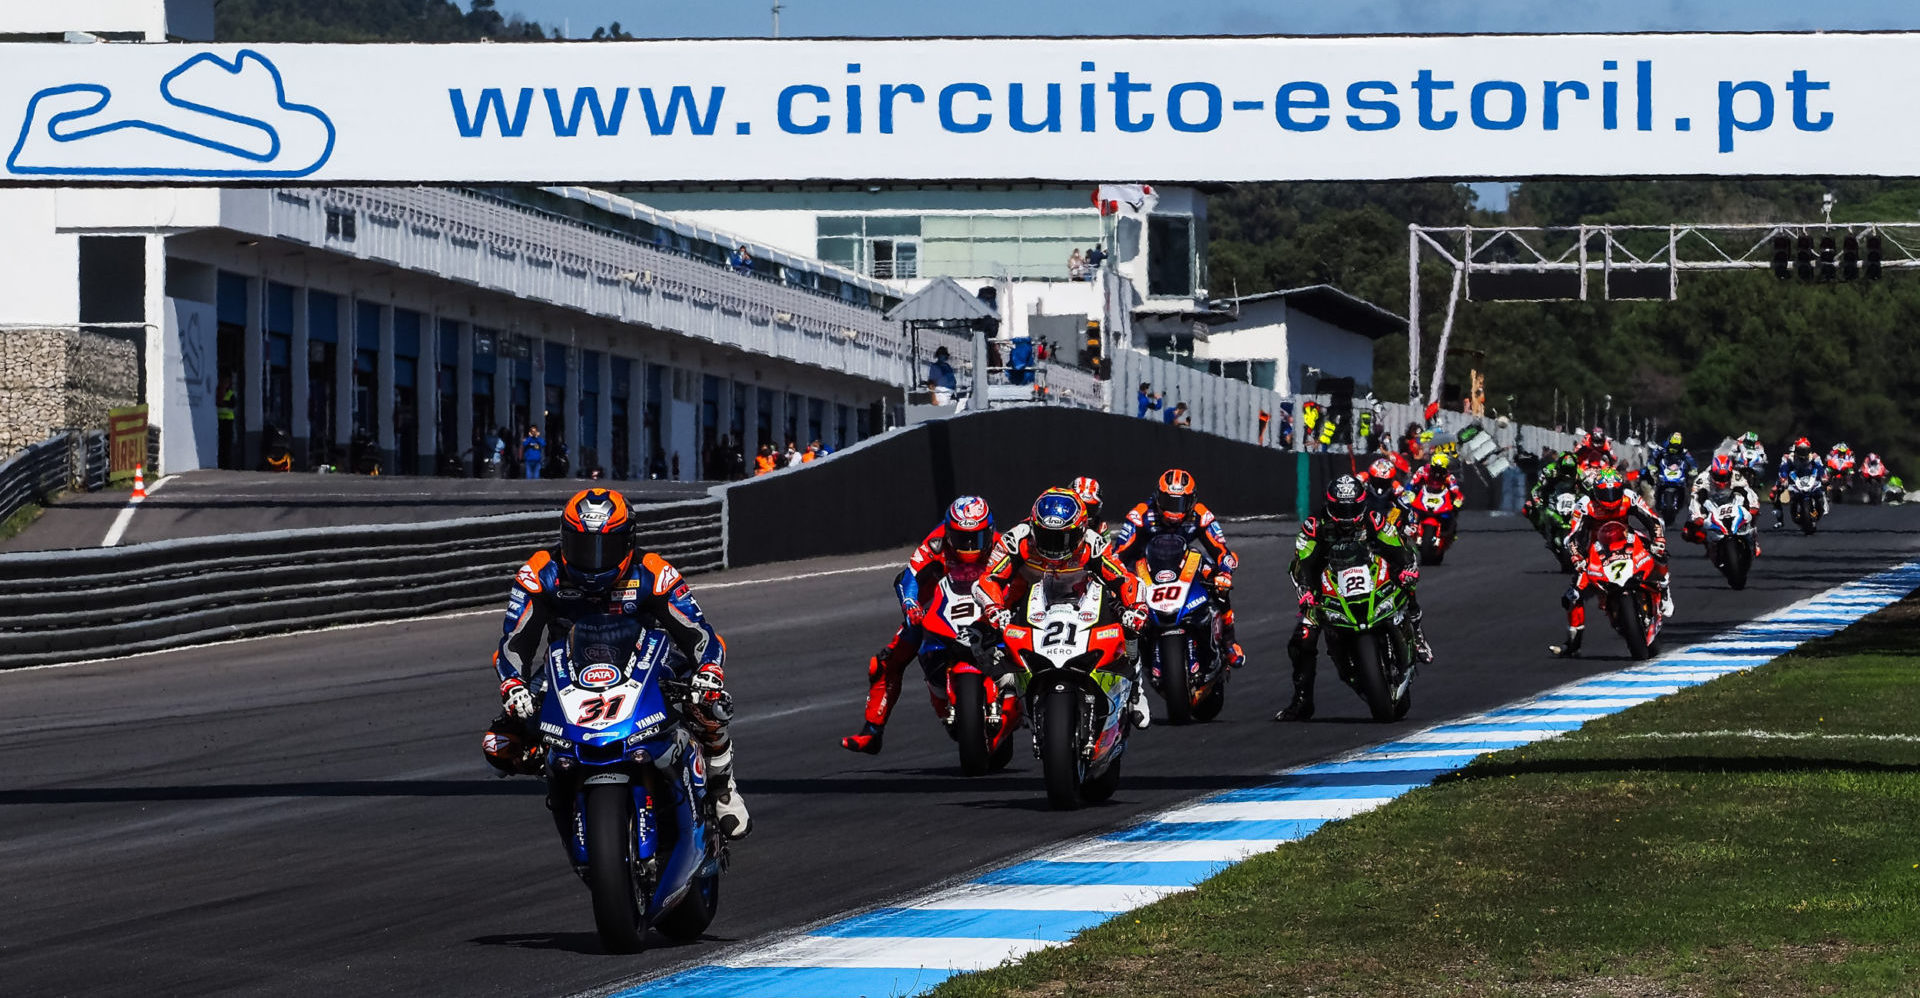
x=538, y=256
x=66, y=460
x=68, y=606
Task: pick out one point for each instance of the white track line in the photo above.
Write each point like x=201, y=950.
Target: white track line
x=120, y=523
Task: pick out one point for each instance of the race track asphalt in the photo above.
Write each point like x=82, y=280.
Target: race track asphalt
x=309, y=815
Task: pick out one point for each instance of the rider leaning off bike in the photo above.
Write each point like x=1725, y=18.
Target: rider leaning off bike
x=1057, y=540
x=1609, y=501
x=1345, y=518
x=1801, y=460
x=960, y=547
x=1174, y=509
x=1717, y=484
x=597, y=570
x=1088, y=491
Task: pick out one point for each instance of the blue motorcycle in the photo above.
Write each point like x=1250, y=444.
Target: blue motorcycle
x=640, y=829
x=1180, y=648
x=1670, y=490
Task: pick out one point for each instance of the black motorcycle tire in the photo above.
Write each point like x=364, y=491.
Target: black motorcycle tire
x=1002, y=755
x=970, y=722
x=1172, y=651
x=1739, y=558
x=1369, y=664
x=1209, y=706
x=1100, y=788
x=1631, y=622
x=1432, y=551
x=688, y=919
x=1060, y=765
x=617, y=913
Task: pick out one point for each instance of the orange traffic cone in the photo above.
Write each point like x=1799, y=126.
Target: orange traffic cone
x=139, y=481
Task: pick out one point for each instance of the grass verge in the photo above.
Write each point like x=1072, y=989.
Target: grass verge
x=1757, y=835
x=20, y=520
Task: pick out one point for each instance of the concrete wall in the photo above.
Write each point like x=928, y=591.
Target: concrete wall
x=39, y=267
x=890, y=491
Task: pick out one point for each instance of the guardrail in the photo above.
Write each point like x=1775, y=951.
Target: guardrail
x=70, y=460
x=70, y=606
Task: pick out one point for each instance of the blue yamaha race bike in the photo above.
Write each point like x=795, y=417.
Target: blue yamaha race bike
x=629, y=783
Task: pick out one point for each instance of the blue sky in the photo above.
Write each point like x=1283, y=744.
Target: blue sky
x=752, y=18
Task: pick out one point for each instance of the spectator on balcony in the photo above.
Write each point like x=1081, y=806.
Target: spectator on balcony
x=1020, y=362
x=1095, y=257
x=791, y=457
x=532, y=449
x=1150, y=401
x=1077, y=266
x=940, y=378
x=763, y=463
x=1177, y=416
x=741, y=260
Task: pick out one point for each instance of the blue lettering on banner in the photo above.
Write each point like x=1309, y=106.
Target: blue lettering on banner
x=586, y=99
x=493, y=101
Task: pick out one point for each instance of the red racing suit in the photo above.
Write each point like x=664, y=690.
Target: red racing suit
x=1016, y=567
x=925, y=568
x=1591, y=456
x=1439, y=477
x=1639, y=518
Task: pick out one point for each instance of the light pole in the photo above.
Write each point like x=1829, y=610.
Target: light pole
x=777, y=5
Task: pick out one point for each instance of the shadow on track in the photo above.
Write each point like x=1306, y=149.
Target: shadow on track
x=242, y=791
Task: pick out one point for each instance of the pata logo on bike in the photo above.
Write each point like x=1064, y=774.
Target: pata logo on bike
x=598, y=677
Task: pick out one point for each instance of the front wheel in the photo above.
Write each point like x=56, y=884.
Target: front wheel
x=616, y=905
x=1060, y=762
x=1171, y=650
x=1630, y=620
x=1370, y=664
x=688, y=919
x=970, y=722
x=1737, y=558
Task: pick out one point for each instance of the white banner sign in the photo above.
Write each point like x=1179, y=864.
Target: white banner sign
x=1220, y=109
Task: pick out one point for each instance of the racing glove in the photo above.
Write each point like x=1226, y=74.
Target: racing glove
x=999, y=617
x=914, y=613
x=1409, y=576
x=515, y=698
x=1223, y=582
x=1134, y=617
x=710, y=694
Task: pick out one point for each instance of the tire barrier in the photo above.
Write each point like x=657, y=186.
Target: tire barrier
x=63, y=461
x=70, y=606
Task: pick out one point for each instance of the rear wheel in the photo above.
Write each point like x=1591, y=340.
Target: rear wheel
x=1059, y=752
x=970, y=721
x=1171, y=648
x=1370, y=666
x=1431, y=550
x=616, y=906
x=688, y=919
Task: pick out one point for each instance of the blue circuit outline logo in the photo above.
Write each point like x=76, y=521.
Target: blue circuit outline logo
x=42, y=142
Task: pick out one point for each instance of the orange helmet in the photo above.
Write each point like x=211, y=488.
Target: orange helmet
x=596, y=538
x=1174, y=498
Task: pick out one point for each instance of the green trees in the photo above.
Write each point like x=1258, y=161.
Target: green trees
x=380, y=21
x=1737, y=351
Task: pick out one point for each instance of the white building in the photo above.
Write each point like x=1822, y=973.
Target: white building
x=1288, y=340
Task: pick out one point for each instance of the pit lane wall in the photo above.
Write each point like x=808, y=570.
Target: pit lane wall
x=889, y=491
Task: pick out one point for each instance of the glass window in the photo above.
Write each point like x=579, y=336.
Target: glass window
x=839, y=225
x=843, y=251
x=1170, y=255
x=946, y=227
x=893, y=225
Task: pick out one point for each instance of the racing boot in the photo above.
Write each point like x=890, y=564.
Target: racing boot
x=727, y=802
x=867, y=741
x=1142, y=716
x=883, y=688
x=1236, y=656
x=1301, y=707
x=1666, y=598
x=1422, y=652
x=1779, y=518
x=1572, y=647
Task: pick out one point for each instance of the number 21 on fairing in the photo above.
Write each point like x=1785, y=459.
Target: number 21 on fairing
x=1060, y=632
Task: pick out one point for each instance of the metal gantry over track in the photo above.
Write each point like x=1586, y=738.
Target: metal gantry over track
x=1633, y=263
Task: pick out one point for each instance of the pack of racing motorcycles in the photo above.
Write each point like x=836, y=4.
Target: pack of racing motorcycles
x=613, y=689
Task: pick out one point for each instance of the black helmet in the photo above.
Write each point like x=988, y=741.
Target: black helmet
x=1346, y=500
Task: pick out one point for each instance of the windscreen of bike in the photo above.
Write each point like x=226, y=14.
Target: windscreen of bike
x=1063, y=587
x=603, y=639
x=1166, y=554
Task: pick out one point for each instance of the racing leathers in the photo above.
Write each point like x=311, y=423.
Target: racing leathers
x=1794, y=467
x=1309, y=561
x=1143, y=523
x=1703, y=490
x=1592, y=455
x=928, y=564
x=1436, y=480
x=1017, y=565
x=1751, y=460
x=1587, y=518
x=1562, y=473
x=541, y=608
